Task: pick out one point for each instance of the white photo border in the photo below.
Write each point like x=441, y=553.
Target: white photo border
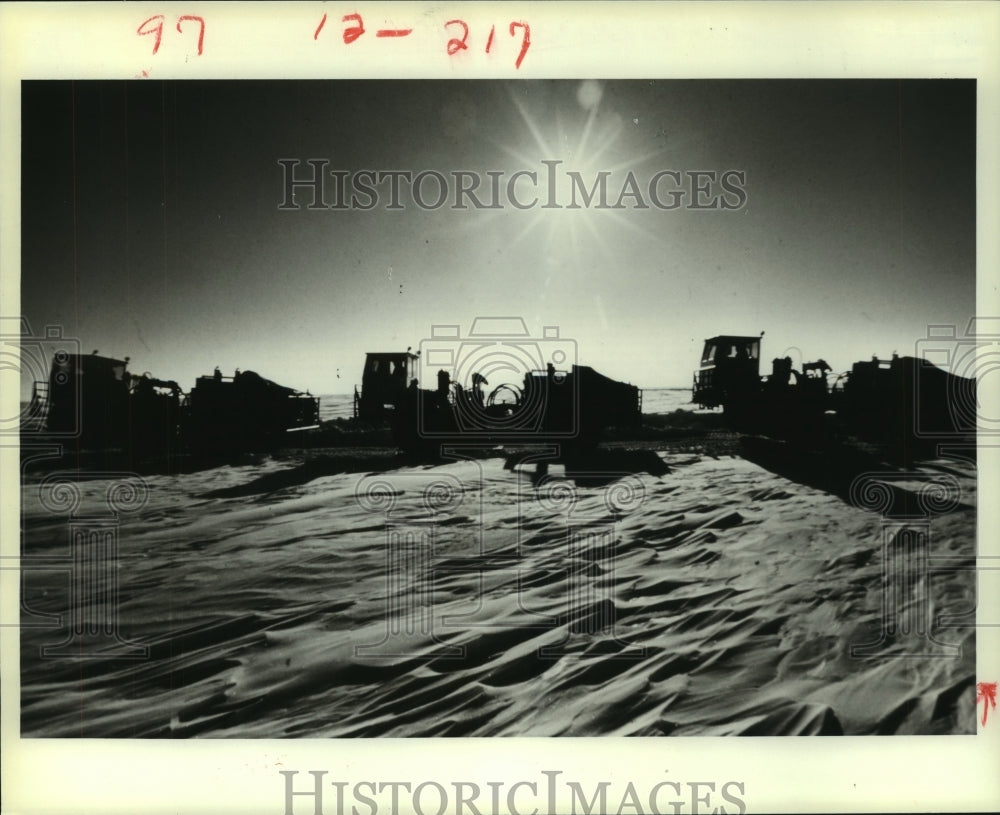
x=668, y=40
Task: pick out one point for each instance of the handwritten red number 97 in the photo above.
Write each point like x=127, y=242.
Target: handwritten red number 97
x=154, y=26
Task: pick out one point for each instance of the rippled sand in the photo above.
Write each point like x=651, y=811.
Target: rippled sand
x=665, y=594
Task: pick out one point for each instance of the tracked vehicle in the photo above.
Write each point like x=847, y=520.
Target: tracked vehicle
x=93, y=403
x=534, y=398
x=905, y=404
x=244, y=412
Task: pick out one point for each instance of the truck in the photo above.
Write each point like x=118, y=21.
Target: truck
x=785, y=402
x=244, y=412
x=94, y=403
x=570, y=407
x=905, y=404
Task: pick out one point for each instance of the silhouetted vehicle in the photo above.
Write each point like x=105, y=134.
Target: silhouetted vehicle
x=244, y=412
x=154, y=415
x=569, y=408
x=786, y=402
x=729, y=370
x=92, y=402
x=906, y=404
x=909, y=403
x=383, y=384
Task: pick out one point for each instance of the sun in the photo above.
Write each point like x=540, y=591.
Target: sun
x=582, y=160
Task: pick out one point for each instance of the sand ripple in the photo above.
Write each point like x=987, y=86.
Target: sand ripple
x=725, y=601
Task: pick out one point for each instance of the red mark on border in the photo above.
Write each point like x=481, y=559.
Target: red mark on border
x=454, y=45
x=351, y=34
x=157, y=30
x=986, y=692
x=459, y=42
x=525, y=42
x=319, y=28
x=201, y=31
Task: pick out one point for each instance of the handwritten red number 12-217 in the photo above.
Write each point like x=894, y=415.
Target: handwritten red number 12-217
x=355, y=29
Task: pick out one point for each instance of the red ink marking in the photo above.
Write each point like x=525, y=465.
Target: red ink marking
x=454, y=46
x=319, y=27
x=525, y=43
x=351, y=34
x=986, y=692
x=489, y=42
x=201, y=30
x=393, y=32
x=157, y=30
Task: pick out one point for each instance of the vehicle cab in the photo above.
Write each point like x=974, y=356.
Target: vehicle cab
x=384, y=383
x=729, y=364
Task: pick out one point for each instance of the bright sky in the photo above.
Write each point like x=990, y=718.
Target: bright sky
x=151, y=224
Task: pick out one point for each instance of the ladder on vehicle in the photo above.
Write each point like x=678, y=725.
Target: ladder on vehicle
x=35, y=415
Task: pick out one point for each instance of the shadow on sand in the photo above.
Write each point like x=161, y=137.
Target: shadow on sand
x=310, y=470
x=595, y=468
x=834, y=468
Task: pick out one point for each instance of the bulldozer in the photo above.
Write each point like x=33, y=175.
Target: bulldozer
x=571, y=407
x=785, y=402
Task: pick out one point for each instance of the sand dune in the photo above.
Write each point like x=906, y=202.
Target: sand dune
x=654, y=593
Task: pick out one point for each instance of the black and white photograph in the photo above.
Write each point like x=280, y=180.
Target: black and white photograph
x=658, y=495
x=367, y=409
